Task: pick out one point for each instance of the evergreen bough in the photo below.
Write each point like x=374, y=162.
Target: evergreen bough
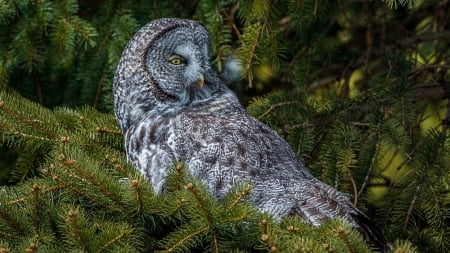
x=359, y=89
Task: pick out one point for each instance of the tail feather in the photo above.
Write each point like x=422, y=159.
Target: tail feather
x=371, y=232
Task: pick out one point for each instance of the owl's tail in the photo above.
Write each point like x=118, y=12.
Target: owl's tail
x=371, y=232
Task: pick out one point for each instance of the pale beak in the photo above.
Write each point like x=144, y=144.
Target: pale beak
x=201, y=81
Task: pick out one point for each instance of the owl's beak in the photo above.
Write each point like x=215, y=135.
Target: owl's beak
x=201, y=81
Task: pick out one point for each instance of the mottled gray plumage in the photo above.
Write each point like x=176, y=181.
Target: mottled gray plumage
x=166, y=115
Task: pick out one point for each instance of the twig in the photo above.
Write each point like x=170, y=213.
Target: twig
x=377, y=53
x=408, y=213
x=178, y=244
x=106, y=245
x=372, y=162
x=274, y=106
x=355, y=189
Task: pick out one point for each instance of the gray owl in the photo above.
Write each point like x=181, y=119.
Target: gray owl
x=172, y=106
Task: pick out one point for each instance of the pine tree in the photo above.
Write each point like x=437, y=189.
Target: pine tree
x=359, y=89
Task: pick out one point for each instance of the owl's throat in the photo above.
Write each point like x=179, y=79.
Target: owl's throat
x=196, y=92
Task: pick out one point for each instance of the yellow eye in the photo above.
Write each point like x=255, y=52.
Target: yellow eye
x=176, y=60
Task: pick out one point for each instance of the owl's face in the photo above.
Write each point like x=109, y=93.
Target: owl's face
x=165, y=64
x=179, y=64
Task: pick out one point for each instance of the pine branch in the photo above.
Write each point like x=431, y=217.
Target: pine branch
x=183, y=241
x=26, y=121
x=35, y=191
x=343, y=235
x=72, y=165
x=245, y=192
x=113, y=241
x=379, y=53
x=372, y=162
x=11, y=224
x=200, y=202
x=72, y=220
x=275, y=106
x=251, y=44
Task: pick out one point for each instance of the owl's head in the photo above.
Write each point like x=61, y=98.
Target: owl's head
x=165, y=63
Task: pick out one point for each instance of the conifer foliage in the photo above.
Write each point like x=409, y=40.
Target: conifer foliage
x=360, y=89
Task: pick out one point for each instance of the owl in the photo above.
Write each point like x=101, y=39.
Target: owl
x=172, y=106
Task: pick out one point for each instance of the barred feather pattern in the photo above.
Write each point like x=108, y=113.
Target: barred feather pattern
x=169, y=113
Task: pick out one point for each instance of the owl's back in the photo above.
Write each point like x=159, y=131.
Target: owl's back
x=224, y=146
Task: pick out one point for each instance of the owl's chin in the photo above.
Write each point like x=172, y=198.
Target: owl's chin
x=194, y=94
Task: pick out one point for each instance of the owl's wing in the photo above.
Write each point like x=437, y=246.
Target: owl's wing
x=222, y=149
